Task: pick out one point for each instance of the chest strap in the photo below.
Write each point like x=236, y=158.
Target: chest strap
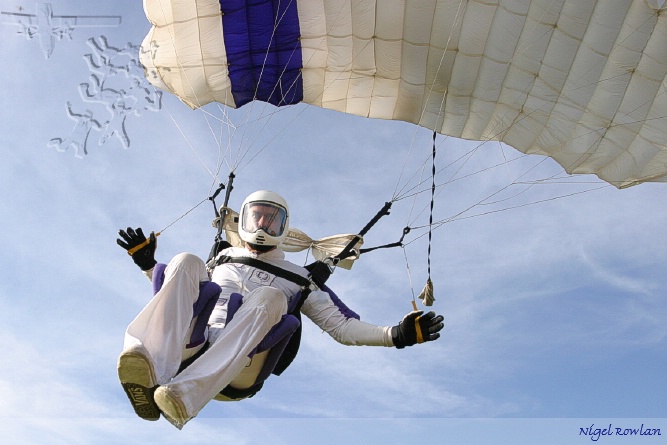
x=266, y=267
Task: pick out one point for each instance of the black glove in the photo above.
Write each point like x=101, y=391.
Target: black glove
x=143, y=257
x=417, y=328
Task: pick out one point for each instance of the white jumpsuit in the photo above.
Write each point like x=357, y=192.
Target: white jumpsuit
x=163, y=326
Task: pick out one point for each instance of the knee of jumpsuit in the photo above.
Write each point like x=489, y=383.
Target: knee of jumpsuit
x=189, y=264
x=271, y=299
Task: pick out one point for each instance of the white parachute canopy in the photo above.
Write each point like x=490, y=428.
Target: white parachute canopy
x=581, y=81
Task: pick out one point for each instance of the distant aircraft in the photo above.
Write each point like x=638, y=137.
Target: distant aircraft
x=48, y=27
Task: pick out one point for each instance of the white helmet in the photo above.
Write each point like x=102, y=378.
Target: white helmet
x=264, y=219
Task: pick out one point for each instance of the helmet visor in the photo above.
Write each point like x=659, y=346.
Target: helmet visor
x=267, y=216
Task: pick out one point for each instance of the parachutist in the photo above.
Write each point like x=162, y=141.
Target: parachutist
x=218, y=333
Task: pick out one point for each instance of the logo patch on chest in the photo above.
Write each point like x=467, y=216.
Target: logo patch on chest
x=261, y=277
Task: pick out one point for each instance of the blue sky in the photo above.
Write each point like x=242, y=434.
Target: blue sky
x=554, y=308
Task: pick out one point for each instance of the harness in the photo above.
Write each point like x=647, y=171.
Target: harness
x=291, y=348
x=266, y=267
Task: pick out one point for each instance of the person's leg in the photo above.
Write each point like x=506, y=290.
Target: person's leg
x=183, y=397
x=154, y=340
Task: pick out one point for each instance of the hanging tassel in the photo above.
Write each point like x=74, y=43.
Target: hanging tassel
x=426, y=294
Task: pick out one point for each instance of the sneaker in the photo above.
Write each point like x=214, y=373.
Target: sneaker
x=137, y=377
x=171, y=406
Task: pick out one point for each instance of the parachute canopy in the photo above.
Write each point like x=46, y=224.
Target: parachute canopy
x=581, y=81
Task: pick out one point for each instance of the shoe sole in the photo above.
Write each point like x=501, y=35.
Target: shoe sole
x=171, y=408
x=134, y=372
